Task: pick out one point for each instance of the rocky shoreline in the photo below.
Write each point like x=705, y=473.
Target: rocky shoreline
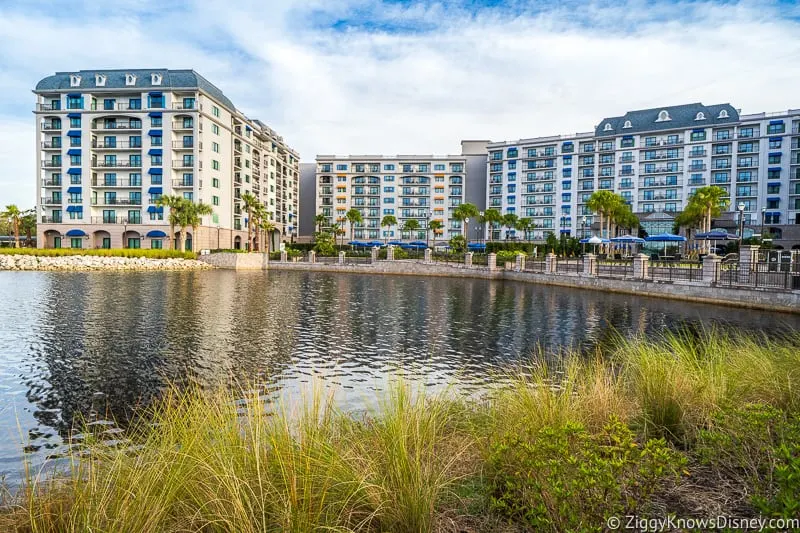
x=92, y=262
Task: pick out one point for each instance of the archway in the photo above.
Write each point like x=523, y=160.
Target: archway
x=102, y=239
x=132, y=239
x=52, y=239
x=188, y=245
x=237, y=243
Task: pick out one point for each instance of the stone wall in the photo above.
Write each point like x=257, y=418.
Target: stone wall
x=237, y=261
x=91, y=262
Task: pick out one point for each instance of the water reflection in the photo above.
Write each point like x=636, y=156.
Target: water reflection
x=99, y=345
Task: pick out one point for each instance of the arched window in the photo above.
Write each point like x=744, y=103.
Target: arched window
x=130, y=79
x=100, y=80
x=155, y=79
x=700, y=116
x=723, y=114
x=627, y=124
x=607, y=127
x=74, y=80
x=663, y=116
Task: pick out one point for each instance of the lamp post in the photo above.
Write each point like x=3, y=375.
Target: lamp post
x=483, y=223
x=763, y=216
x=741, y=207
x=124, y=232
x=218, y=237
x=427, y=228
x=583, y=228
x=466, y=230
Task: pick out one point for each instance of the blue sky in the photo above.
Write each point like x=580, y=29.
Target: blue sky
x=372, y=76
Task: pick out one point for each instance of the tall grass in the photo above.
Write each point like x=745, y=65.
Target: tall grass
x=235, y=461
x=101, y=252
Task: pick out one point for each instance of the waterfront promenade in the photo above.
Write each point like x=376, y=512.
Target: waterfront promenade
x=742, y=283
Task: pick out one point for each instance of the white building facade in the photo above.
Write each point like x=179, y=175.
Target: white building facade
x=110, y=143
x=421, y=188
x=655, y=159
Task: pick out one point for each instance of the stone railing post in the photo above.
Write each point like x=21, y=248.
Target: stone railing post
x=589, y=265
x=710, y=268
x=550, y=263
x=390, y=253
x=468, y=259
x=520, y=265
x=748, y=257
x=428, y=255
x=641, y=265
x=492, y=261
x=341, y=258
x=312, y=256
x=374, y=257
x=284, y=256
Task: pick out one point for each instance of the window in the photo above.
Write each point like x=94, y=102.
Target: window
x=567, y=160
x=439, y=167
x=74, y=141
x=156, y=122
x=663, y=116
x=215, y=200
x=778, y=127
x=74, y=80
x=156, y=140
x=135, y=103
x=389, y=168
x=155, y=160
x=774, y=159
x=775, y=143
x=75, y=122
x=607, y=127
x=723, y=114
x=649, y=141
x=135, y=179
x=109, y=104
x=214, y=147
x=215, y=111
x=745, y=132
x=700, y=116
x=341, y=167
x=698, y=135
x=156, y=244
x=214, y=182
x=100, y=80
x=75, y=160
x=215, y=131
x=74, y=102
x=774, y=189
x=155, y=101
x=76, y=242
x=215, y=164
x=627, y=124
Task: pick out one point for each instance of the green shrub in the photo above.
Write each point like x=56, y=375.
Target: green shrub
x=100, y=252
x=500, y=246
x=568, y=479
x=325, y=245
x=508, y=255
x=458, y=244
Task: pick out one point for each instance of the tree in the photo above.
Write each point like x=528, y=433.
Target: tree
x=708, y=202
x=510, y=222
x=551, y=243
x=319, y=220
x=411, y=226
x=267, y=227
x=250, y=203
x=604, y=203
x=492, y=217
x=325, y=244
x=458, y=244
x=354, y=217
x=623, y=217
x=435, y=226
x=28, y=226
x=463, y=212
x=524, y=225
x=339, y=230
x=690, y=218
x=194, y=217
x=260, y=216
x=387, y=222
x=174, y=203
x=14, y=215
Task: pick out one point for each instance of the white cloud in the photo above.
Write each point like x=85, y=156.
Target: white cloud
x=489, y=74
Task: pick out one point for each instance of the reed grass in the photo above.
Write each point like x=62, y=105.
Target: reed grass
x=229, y=460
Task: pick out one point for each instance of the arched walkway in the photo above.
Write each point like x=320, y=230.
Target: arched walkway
x=131, y=239
x=52, y=239
x=102, y=239
x=237, y=243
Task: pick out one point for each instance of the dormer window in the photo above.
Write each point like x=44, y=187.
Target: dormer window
x=130, y=79
x=100, y=80
x=607, y=127
x=700, y=116
x=74, y=80
x=723, y=114
x=627, y=124
x=155, y=79
x=663, y=116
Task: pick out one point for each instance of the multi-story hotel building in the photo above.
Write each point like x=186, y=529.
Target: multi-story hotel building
x=109, y=143
x=655, y=159
x=418, y=187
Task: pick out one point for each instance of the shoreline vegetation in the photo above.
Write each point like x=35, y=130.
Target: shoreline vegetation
x=690, y=425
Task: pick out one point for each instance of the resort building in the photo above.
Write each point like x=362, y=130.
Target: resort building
x=110, y=143
x=409, y=187
x=655, y=159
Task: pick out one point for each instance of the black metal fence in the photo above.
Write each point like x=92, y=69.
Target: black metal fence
x=675, y=271
x=480, y=259
x=445, y=257
x=616, y=268
x=569, y=266
x=534, y=266
x=781, y=276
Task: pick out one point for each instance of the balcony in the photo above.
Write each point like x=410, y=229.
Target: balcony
x=626, y=159
x=118, y=145
x=51, y=145
x=51, y=126
x=52, y=220
x=661, y=170
x=117, y=201
x=48, y=107
x=179, y=184
x=116, y=164
x=746, y=150
x=52, y=183
x=747, y=164
x=117, y=126
x=52, y=201
x=182, y=145
x=118, y=183
x=693, y=181
x=179, y=163
x=673, y=142
x=696, y=168
x=660, y=183
x=628, y=172
x=184, y=106
x=51, y=164
x=660, y=198
x=698, y=153
x=115, y=107
x=181, y=125
x=116, y=220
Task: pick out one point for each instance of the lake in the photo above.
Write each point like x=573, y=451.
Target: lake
x=97, y=345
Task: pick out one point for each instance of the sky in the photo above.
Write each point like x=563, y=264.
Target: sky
x=408, y=77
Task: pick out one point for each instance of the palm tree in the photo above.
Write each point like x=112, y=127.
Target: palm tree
x=259, y=215
x=250, y=203
x=14, y=215
x=435, y=226
x=319, y=220
x=27, y=225
x=510, y=222
x=194, y=217
x=339, y=230
x=463, y=212
x=708, y=202
x=354, y=217
x=387, y=222
x=492, y=217
x=174, y=203
x=524, y=225
x=410, y=226
x=267, y=227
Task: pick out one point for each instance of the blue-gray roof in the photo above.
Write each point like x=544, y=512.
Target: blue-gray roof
x=681, y=117
x=115, y=79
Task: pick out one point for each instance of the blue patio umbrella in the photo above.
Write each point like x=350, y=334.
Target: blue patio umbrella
x=665, y=238
x=476, y=246
x=627, y=240
x=587, y=239
x=375, y=243
x=418, y=243
x=716, y=235
x=395, y=243
x=357, y=243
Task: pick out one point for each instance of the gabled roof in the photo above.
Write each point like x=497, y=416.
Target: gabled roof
x=680, y=117
x=115, y=79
